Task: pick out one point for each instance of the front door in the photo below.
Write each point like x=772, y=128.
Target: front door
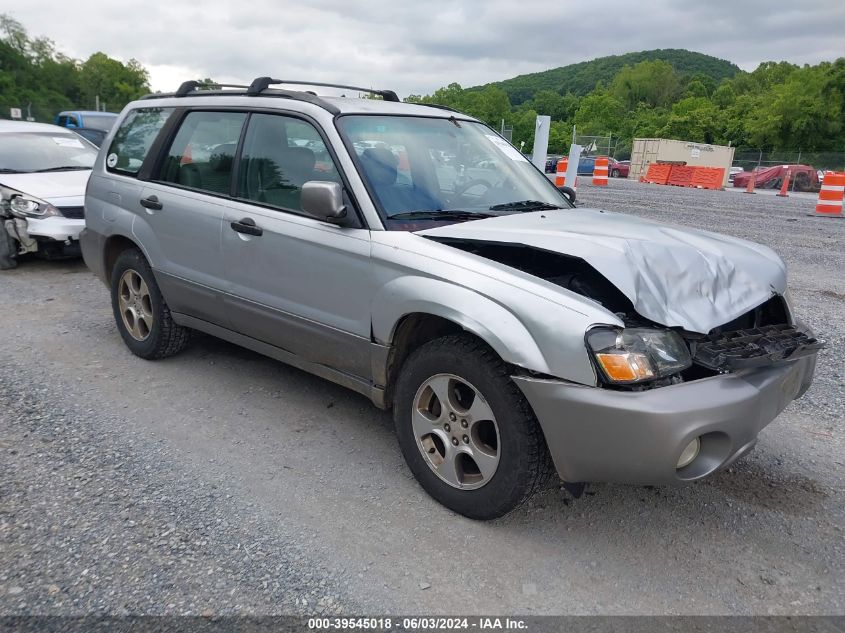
x=292, y=281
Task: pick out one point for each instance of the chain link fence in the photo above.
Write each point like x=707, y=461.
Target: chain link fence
x=822, y=161
x=596, y=145
x=42, y=114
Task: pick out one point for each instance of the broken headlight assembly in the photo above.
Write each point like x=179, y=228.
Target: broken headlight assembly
x=636, y=355
x=23, y=205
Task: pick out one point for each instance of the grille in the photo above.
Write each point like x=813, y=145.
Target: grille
x=754, y=347
x=73, y=213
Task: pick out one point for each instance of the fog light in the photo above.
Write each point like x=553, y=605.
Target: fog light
x=689, y=454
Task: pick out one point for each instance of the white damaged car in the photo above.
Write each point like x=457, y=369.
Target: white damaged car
x=44, y=170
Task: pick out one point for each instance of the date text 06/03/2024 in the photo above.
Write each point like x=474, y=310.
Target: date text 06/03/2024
x=418, y=623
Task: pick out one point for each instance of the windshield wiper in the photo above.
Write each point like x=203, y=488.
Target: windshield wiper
x=440, y=214
x=61, y=168
x=525, y=205
x=6, y=170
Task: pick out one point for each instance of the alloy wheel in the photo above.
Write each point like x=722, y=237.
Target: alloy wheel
x=456, y=431
x=135, y=304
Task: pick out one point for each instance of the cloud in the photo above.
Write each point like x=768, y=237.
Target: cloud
x=416, y=47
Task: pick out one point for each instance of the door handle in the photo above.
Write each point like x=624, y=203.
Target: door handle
x=246, y=226
x=151, y=203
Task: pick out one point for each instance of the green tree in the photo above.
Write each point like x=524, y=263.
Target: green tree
x=693, y=119
x=651, y=82
x=33, y=73
x=115, y=83
x=600, y=113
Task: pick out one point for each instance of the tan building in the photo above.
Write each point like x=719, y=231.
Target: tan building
x=650, y=150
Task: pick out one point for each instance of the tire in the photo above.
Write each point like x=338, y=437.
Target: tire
x=155, y=335
x=615, y=173
x=8, y=249
x=461, y=363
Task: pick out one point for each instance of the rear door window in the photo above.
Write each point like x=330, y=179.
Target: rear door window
x=203, y=150
x=134, y=138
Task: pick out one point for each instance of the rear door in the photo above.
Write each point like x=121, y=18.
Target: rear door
x=180, y=211
x=292, y=281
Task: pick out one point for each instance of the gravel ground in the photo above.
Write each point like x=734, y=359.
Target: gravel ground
x=94, y=522
x=220, y=481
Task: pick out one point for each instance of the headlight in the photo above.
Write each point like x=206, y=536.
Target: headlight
x=638, y=354
x=24, y=205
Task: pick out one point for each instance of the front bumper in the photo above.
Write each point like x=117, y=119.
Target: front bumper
x=637, y=437
x=56, y=228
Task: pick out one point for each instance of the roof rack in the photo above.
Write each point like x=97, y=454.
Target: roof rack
x=189, y=89
x=262, y=83
x=260, y=87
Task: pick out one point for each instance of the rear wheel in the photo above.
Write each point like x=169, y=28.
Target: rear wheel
x=615, y=173
x=465, y=429
x=141, y=314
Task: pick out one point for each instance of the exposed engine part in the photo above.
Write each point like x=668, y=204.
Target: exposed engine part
x=755, y=347
x=16, y=227
x=572, y=273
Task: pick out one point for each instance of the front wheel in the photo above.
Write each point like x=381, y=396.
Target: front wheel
x=465, y=429
x=615, y=173
x=141, y=314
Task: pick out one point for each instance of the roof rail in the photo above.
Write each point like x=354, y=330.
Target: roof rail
x=441, y=107
x=189, y=86
x=260, y=84
x=190, y=89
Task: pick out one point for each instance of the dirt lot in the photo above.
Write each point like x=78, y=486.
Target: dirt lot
x=219, y=481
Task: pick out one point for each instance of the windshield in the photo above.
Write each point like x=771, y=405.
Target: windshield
x=443, y=170
x=39, y=151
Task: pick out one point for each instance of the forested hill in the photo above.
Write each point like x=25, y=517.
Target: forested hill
x=583, y=77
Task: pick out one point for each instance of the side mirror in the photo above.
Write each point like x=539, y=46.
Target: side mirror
x=569, y=192
x=323, y=200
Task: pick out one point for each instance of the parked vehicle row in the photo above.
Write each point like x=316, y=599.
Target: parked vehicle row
x=587, y=164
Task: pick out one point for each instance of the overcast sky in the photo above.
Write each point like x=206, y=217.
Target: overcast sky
x=416, y=46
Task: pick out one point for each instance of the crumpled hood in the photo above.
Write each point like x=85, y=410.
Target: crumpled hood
x=674, y=276
x=55, y=187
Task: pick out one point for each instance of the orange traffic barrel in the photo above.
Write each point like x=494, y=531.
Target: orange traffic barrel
x=831, y=195
x=560, y=172
x=600, y=171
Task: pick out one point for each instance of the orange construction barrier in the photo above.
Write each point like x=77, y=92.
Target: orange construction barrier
x=784, y=186
x=681, y=175
x=600, y=171
x=829, y=204
x=657, y=174
x=560, y=172
x=708, y=178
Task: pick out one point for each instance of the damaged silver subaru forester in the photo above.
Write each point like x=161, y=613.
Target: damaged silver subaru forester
x=410, y=253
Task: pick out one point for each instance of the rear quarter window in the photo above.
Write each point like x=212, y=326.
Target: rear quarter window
x=133, y=139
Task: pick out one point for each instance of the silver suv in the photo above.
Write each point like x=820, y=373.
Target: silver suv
x=410, y=253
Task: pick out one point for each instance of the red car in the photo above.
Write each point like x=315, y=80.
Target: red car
x=619, y=168
x=803, y=177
